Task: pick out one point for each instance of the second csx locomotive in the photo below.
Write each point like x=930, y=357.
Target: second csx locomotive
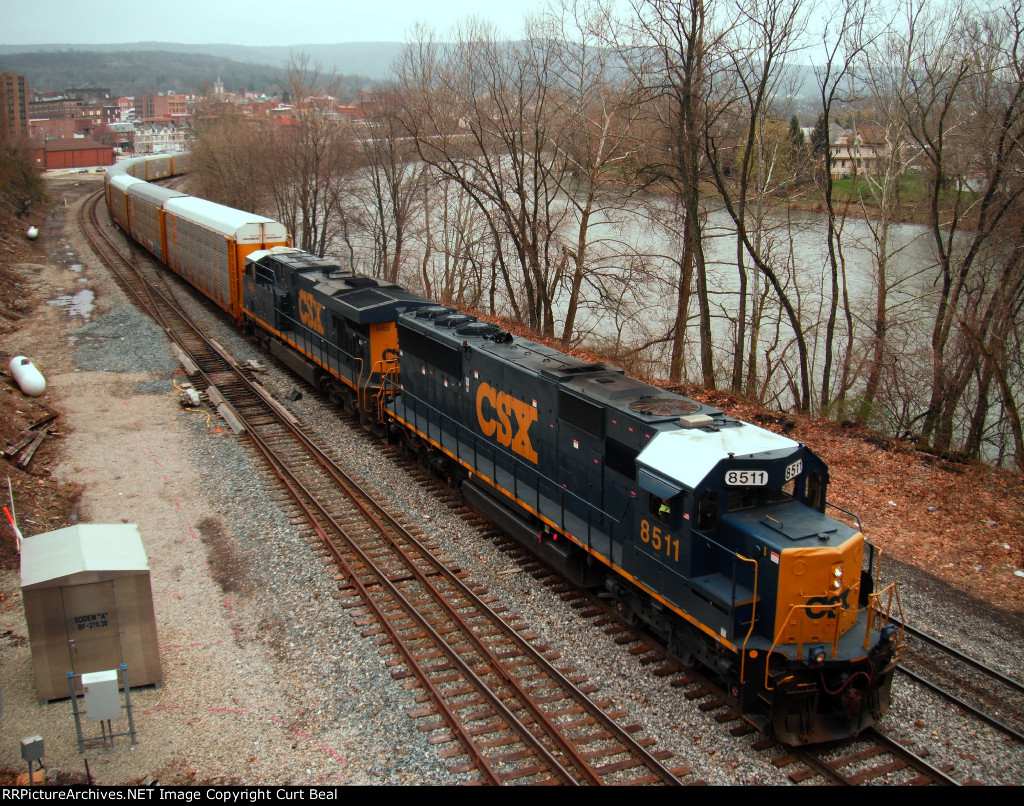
x=709, y=530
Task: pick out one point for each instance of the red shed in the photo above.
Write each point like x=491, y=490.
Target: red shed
x=78, y=152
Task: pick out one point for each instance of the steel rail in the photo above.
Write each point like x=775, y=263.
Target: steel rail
x=984, y=716
x=299, y=491
x=1006, y=680
x=377, y=514
x=881, y=745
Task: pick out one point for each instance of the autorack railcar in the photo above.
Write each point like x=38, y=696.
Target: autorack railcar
x=206, y=243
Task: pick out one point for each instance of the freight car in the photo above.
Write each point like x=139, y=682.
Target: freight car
x=204, y=242
x=709, y=530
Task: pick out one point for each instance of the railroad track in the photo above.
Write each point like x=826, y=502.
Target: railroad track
x=863, y=761
x=506, y=711
x=974, y=686
x=872, y=758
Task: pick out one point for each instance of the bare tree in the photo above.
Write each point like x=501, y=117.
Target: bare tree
x=752, y=73
x=679, y=42
x=478, y=111
x=591, y=143
x=965, y=111
x=844, y=40
x=886, y=70
x=21, y=184
x=313, y=159
x=229, y=158
x=393, y=177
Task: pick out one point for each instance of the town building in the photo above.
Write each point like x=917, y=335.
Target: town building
x=162, y=138
x=858, y=151
x=14, y=114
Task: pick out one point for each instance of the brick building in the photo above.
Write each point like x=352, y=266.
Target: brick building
x=59, y=128
x=58, y=107
x=160, y=106
x=13, y=105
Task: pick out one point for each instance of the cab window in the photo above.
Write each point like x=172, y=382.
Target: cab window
x=264, y=276
x=814, y=491
x=661, y=508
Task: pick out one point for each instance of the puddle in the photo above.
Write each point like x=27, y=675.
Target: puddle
x=76, y=267
x=79, y=303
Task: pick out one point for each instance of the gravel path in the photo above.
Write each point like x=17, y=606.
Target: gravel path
x=267, y=680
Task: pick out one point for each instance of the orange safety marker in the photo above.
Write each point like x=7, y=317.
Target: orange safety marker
x=14, y=526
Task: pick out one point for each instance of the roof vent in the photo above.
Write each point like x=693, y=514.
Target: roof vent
x=664, y=406
x=453, y=320
x=433, y=311
x=478, y=329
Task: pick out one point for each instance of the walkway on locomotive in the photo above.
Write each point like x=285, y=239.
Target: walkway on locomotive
x=609, y=461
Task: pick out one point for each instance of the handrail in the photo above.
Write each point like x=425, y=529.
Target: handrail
x=800, y=644
x=883, y=614
x=860, y=528
x=753, y=614
x=386, y=368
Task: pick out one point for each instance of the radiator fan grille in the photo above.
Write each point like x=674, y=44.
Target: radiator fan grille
x=664, y=406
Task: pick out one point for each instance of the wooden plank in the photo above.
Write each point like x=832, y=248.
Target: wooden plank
x=30, y=451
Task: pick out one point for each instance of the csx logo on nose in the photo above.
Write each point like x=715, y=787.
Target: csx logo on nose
x=495, y=411
x=829, y=602
x=309, y=312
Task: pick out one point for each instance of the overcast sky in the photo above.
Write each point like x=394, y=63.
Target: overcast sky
x=252, y=22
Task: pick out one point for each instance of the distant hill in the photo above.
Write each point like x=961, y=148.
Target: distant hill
x=129, y=66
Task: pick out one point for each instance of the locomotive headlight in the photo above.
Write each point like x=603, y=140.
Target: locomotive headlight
x=836, y=584
x=837, y=572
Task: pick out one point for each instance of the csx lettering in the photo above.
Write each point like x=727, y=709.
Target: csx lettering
x=502, y=414
x=309, y=312
x=828, y=602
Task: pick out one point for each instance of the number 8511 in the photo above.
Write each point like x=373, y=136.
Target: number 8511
x=659, y=541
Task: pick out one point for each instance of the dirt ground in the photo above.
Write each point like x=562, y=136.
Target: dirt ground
x=111, y=456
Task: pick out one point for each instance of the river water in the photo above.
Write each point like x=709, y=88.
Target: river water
x=629, y=300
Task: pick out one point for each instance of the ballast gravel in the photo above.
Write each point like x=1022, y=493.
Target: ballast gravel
x=267, y=679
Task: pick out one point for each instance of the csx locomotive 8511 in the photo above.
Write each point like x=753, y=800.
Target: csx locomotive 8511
x=710, y=531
